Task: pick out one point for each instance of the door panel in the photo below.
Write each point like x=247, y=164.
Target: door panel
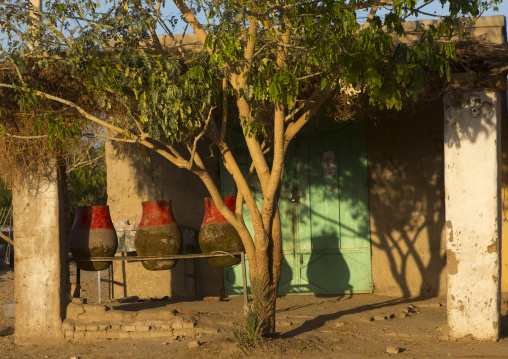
x=324, y=216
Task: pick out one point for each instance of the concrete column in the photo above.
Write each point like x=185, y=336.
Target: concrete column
x=39, y=291
x=473, y=212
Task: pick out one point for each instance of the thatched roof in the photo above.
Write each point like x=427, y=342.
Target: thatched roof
x=480, y=64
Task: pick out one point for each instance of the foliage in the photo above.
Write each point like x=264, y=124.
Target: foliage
x=249, y=332
x=5, y=195
x=87, y=184
x=267, y=66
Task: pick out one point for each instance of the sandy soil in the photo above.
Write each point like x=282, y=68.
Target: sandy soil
x=361, y=326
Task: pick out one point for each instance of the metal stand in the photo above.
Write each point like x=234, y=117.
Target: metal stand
x=144, y=258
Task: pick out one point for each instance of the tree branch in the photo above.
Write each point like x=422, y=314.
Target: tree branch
x=295, y=127
x=192, y=20
x=24, y=137
x=73, y=105
x=306, y=103
x=370, y=18
x=194, y=146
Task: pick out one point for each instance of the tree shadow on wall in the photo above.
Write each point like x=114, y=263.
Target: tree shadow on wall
x=406, y=197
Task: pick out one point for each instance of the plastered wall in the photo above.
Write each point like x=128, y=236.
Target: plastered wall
x=406, y=200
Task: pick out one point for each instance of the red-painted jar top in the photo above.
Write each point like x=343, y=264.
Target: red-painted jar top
x=212, y=213
x=92, y=217
x=156, y=213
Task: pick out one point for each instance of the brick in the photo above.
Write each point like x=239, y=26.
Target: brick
x=95, y=309
x=69, y=334
x=103, y=326
x=95, y=335
x=164, y=327
x=177, y=325
x=117, y=335
x=158, y=334
x=80, y=327
x=67, y=326
x=115, y=327
x=185, y=332
x=79, y=335
x=226, y=324
x=188, y=325
x=189, y=311
x=91, y=327
x=176, y=320
x=74, y=310
x=142, y=328
x=206, y=331
x=79, y=300
x=140, y=335
x=128, y=328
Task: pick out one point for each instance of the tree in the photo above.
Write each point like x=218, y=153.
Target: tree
x=86, y=178
x=266, y=66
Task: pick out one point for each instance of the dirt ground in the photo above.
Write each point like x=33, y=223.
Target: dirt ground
x=361, y=326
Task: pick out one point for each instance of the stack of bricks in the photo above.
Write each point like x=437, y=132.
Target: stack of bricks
x=99, y=322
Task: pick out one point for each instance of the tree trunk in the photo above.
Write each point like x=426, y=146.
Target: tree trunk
x=265, y=278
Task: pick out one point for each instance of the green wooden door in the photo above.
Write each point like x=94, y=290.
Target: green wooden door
x=324, y=215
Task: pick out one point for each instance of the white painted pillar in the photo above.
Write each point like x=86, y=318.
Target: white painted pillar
x=39, y=286
x=473, y=211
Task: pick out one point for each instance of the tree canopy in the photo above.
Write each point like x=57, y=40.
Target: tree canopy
x=266, y=66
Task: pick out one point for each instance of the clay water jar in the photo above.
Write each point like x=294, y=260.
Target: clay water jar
x=158, y=235
x=93, y=235
x=217, y=234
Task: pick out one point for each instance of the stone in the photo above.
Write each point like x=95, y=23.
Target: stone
x=189, y=311
x=393, y=350
x=9, y=309
x=193, y=344
x=366, y=319
x=212, y=299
